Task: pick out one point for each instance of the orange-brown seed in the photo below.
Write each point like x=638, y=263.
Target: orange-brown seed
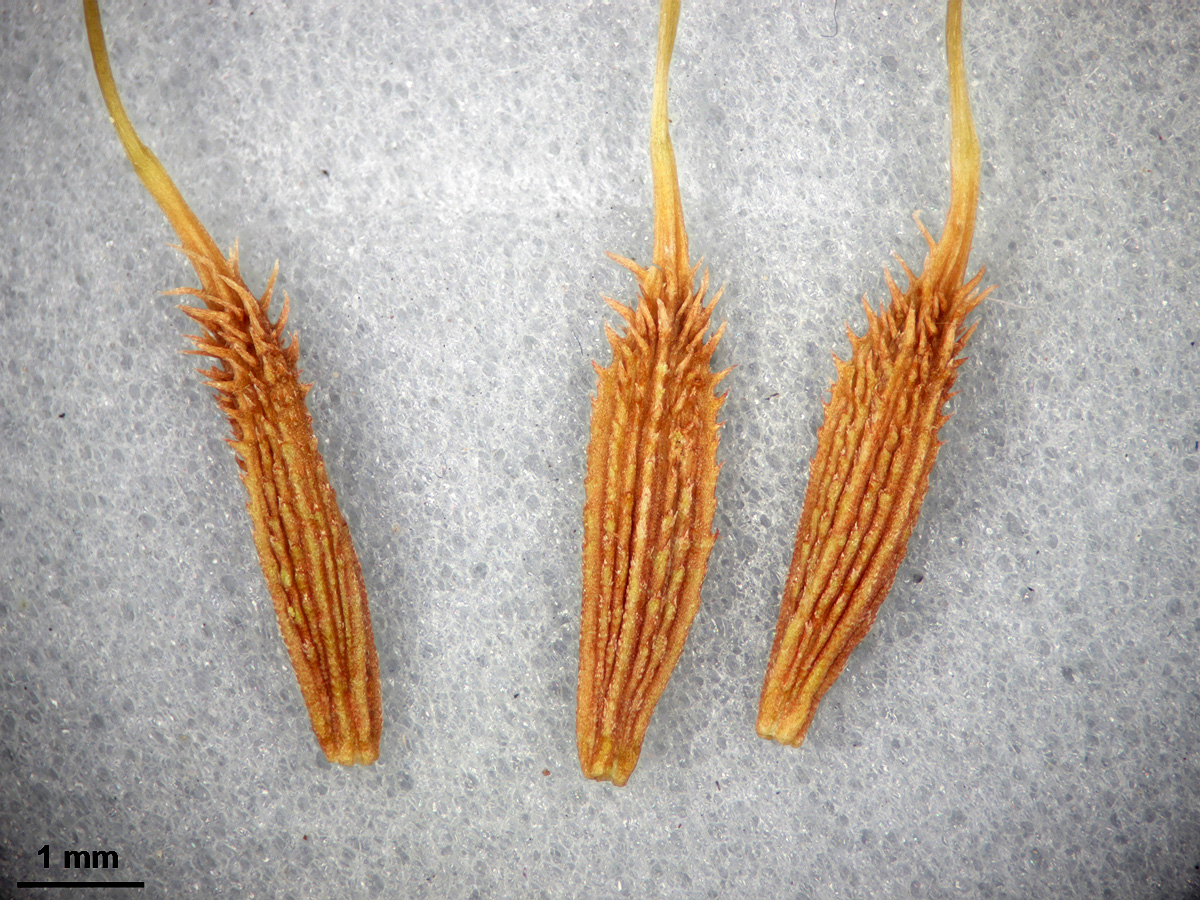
x=876, y=448
x=303, y=543
x=651, y=478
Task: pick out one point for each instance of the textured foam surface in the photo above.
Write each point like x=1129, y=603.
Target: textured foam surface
x=440, y=182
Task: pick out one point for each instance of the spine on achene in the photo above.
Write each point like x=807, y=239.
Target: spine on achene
x=303, y=543
x=651, y=478
x=876, y=447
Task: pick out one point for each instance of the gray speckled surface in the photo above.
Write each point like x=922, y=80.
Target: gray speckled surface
x=439, y=182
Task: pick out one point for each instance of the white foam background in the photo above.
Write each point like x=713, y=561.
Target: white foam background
x=439, y=182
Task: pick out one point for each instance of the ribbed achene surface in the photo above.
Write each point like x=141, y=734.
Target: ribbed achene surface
x=868, y=479
x=304, y=545
x=651, y=482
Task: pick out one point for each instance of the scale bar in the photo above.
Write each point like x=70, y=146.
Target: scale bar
x=81, y=884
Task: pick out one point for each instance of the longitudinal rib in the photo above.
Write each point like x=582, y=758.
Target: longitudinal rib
x=651, y=478
x=303, y=543
x=876, y=447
